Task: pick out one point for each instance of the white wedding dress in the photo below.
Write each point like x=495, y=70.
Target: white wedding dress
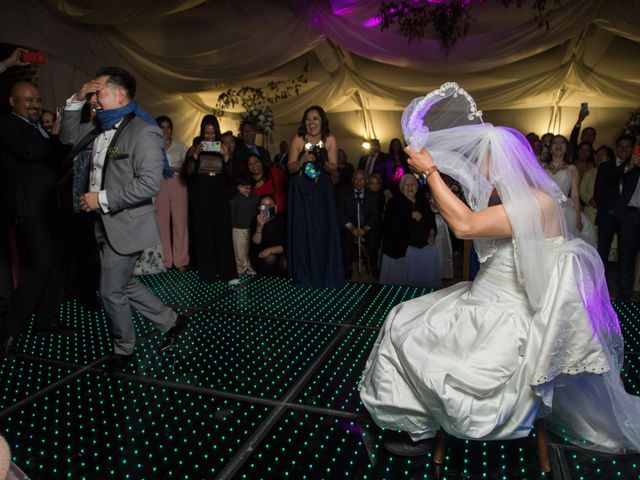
x=476, y=360
x=563, y=179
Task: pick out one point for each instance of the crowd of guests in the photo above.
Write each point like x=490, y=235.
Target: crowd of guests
x=602, y=185
x=227, y=208
x=231, y=209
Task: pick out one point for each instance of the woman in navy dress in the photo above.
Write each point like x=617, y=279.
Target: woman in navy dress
x=315, y=259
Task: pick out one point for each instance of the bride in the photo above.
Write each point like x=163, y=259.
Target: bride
x=568, y=179
x=534, y=335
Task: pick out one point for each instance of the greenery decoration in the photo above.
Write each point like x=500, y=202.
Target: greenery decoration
x=256, y=101
x=450, y=19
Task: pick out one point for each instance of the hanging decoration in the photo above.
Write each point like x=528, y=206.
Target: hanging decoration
x=257, y=102
x=449, y=19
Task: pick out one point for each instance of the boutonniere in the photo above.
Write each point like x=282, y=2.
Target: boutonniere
x=114, y=154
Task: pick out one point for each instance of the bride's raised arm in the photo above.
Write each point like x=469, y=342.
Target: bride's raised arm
x=491, y=222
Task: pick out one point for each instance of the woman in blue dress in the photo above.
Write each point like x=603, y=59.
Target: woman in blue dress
x=315, y=259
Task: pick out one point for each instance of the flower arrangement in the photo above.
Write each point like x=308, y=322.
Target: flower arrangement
x=262, y=117
x=632, y=127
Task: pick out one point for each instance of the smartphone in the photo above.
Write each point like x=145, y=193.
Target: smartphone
x=584, y=107
x=264, y=210
x=211, y=147
x=33, y=57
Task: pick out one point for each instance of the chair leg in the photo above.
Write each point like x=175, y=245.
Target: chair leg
x=543, y=450
x=441, y=447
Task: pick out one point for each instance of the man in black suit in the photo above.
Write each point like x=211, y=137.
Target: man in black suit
x=607, y=194
x=247, y=144
x=28, y=159
x=628, y=212
x=377, y=162
x=351, y=202
x=6, y=280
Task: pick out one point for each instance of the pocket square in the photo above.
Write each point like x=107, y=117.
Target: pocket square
x=114, y=154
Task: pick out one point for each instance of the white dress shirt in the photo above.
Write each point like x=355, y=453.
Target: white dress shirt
x=98, y=155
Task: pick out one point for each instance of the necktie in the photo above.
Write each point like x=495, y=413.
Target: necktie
x=370, y=164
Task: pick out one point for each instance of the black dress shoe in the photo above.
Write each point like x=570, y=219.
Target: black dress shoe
x=171, y=336
x=400, y=443
x=8, y=346
x=53, y=328
x=117, y=363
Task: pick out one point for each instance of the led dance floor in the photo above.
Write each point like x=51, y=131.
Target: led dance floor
x=262, y=386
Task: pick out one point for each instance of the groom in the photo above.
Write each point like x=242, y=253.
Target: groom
x=126, y=173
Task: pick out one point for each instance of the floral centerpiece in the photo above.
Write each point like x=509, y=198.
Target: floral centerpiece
x=262, y=117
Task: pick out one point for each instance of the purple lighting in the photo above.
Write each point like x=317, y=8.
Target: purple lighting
x=372, y=22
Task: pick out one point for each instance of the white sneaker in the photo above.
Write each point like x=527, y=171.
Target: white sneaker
x=234, y=282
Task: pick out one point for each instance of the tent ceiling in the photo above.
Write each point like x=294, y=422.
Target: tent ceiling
x=185, y=52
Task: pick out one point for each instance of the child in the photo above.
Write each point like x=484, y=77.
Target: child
x=243, y=210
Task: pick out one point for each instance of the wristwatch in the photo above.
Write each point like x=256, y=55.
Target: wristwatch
x=424, y=176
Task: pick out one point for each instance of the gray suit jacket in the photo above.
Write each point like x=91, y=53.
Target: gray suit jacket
x=131, y=179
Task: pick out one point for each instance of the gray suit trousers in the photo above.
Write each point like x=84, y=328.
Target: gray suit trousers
x=120, y=291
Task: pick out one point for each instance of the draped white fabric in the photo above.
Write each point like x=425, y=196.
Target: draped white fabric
x=185, y=53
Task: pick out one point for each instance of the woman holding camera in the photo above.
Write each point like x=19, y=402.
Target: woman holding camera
x=314, y=256
x=209, y=196
x=268, y=239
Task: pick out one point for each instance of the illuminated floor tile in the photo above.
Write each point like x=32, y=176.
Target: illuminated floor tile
x=184, y=289
x=584, y=465
x=308, y=446
x=335, y=384
x=20, y=378
x=101, y=427
x=90, y=341
x=631, y=373
x=278, y=297
x=387, y=297
x=629, y=316
x=238, y=354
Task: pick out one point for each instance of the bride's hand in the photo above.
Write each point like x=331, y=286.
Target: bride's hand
x=420, y=161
